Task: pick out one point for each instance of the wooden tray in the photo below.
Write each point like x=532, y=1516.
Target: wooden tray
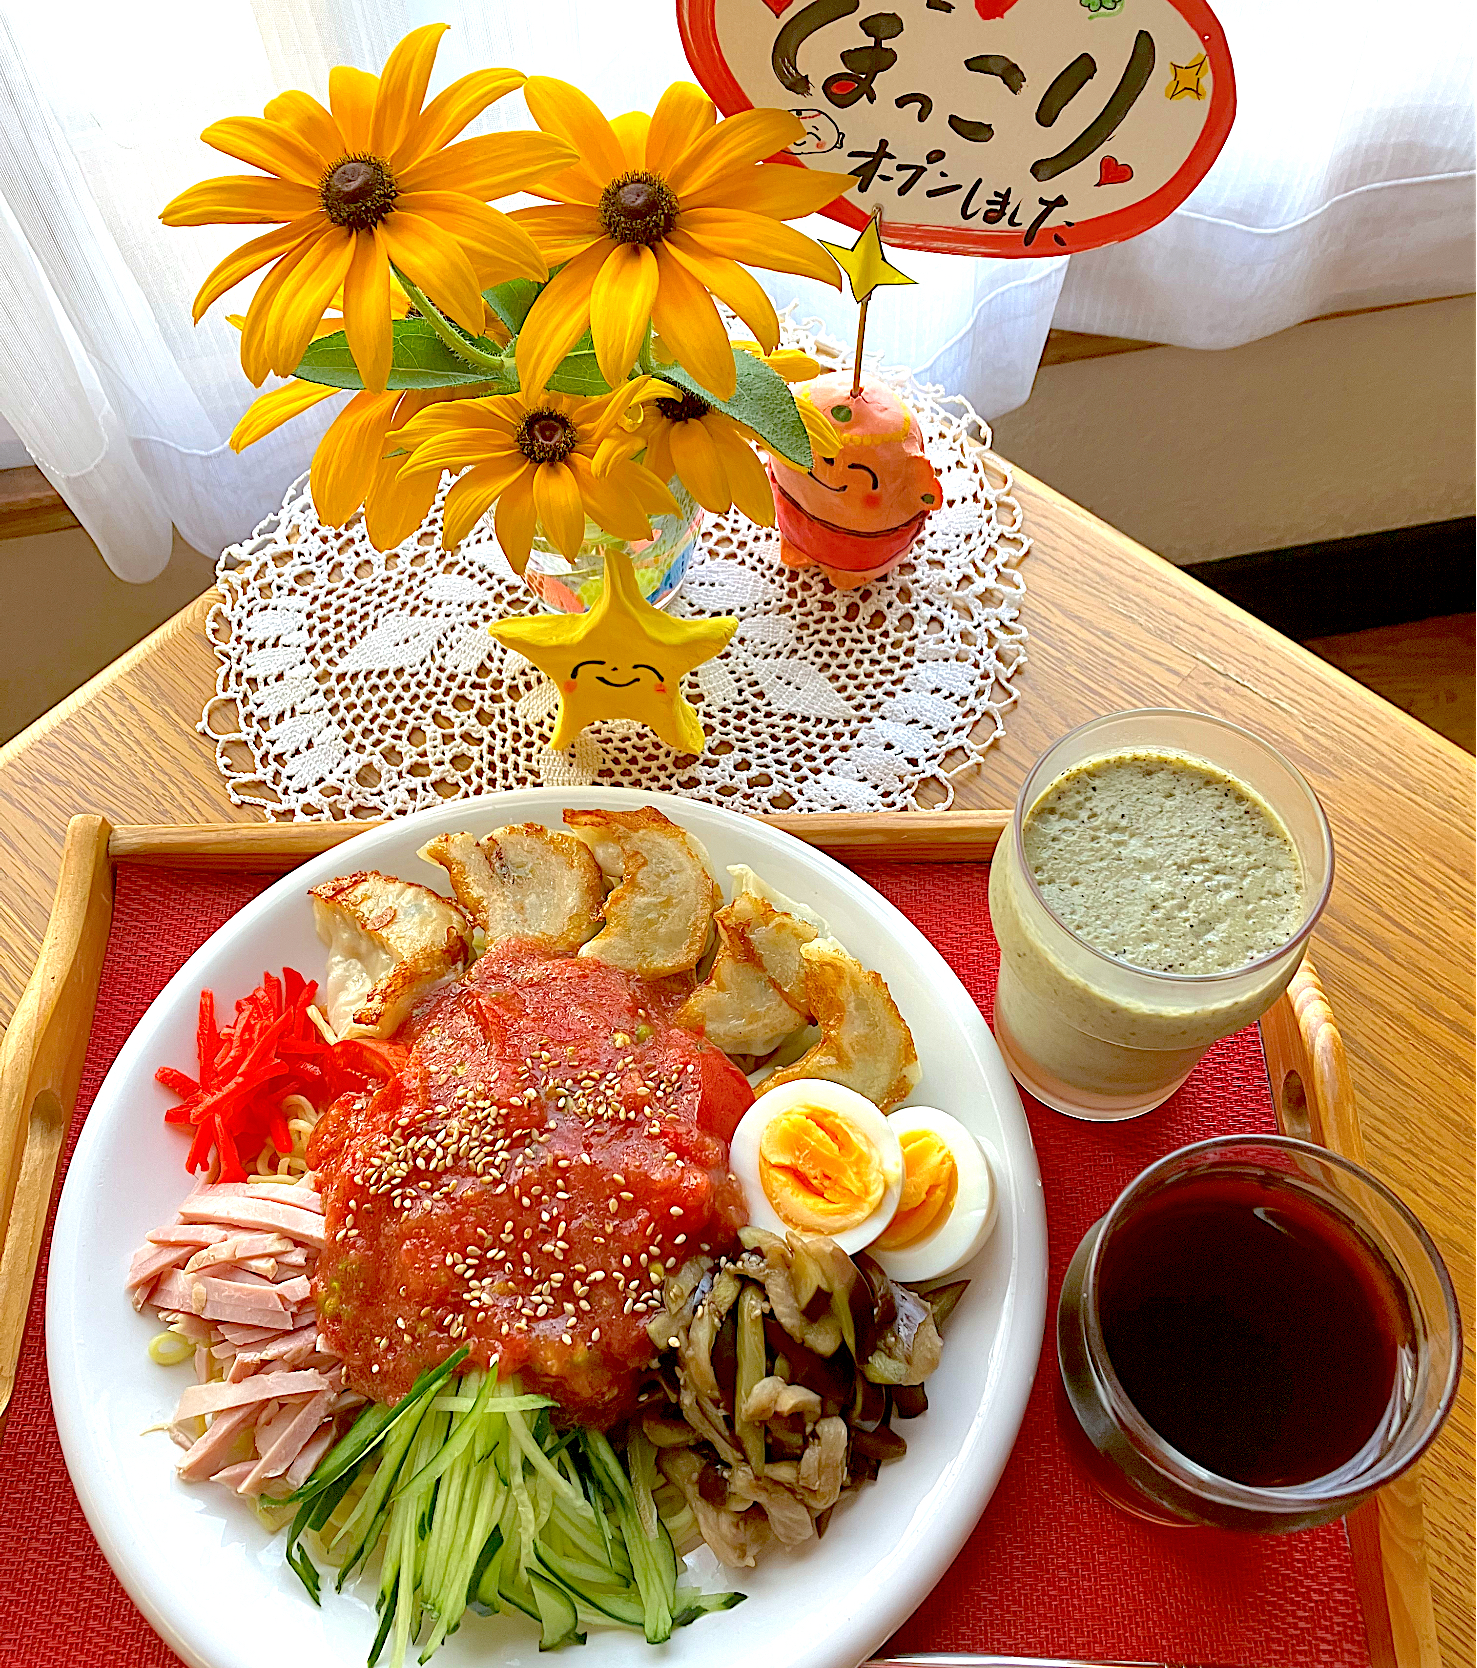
x=42, y=1054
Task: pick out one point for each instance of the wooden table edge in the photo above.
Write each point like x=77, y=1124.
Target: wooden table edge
x=1260, y=629
x=42, y=1054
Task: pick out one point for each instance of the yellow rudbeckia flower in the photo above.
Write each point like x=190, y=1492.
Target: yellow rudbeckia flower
x=711, y=453
x=350, y=467
x=790, y=363
x=370, y=181
x=546, y=460
x=658, y=211
x=708, y=452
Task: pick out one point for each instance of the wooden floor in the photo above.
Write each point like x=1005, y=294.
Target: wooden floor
x=1426, y=668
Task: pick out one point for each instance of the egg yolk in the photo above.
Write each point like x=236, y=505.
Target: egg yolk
x=818, y=1170
x=930, y=1186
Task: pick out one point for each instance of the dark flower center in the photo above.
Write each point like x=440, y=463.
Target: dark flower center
x=358, y=192
x=683, y=409
x=638, y=208
x=546, y=437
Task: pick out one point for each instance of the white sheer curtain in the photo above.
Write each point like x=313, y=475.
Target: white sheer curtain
x=1347, y=182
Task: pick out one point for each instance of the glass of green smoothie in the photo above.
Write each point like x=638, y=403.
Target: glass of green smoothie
x=1155, y=891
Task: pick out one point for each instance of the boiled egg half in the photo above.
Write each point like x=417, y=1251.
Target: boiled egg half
x=819, y=1159
x=947, y=1205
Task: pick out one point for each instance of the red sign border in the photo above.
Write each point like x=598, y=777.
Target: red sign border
x=697, y=24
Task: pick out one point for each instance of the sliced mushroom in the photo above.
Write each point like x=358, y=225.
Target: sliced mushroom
x=524, y=881
x=821, y=1337
x=657, y=918
x=736, y=1538
x=700, y=1396
x=865, y=1042
x=823, y=1465
x=771, y=1397
x=788, y=1514
x=389, y=941
x=696, y=1358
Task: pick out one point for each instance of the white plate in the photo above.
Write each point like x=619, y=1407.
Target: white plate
x=214, y=1583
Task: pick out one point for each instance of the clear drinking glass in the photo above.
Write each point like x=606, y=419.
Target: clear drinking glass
x=1412, y=1300
x=569, y=585
x=1087, y=1033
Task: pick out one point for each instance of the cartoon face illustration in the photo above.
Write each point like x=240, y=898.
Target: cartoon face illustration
x=616, y=676
x=857, y=514
x=881, y=477
x=821, y=134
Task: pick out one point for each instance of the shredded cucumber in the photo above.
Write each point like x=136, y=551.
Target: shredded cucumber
x=473, y=1500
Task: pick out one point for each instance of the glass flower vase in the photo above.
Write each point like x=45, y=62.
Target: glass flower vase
x=570, y=585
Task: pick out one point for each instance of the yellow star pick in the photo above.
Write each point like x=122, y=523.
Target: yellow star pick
x=1186, y=79
x=864, y=264
x=623, y=659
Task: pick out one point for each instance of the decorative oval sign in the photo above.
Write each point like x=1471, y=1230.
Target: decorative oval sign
x=984, y=127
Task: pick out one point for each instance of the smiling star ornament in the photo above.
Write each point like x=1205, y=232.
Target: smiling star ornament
x=623, y=659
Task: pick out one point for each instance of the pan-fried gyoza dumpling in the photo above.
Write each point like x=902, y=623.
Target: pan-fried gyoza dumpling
x=745, y=880
x=524, y=882
x=389, y=942
x=865, y=1042
x=657, y=918
x=754, y=997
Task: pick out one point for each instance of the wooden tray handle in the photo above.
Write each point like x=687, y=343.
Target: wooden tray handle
x=1314, y=1096
x=276, y=847
x=41, y=1065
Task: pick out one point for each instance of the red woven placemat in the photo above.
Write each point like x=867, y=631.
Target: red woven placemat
x=1051, y=1570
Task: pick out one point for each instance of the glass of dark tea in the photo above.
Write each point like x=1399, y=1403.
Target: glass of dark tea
x=1256, y=1336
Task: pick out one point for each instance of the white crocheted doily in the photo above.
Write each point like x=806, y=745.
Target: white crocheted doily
x=359, y=684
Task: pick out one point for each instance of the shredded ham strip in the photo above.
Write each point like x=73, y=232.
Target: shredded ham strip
x=234, y=1276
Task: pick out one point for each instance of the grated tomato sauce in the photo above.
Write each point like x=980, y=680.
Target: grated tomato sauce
x=551, y=1146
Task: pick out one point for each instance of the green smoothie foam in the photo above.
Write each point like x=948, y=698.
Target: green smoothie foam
x=1165, y=862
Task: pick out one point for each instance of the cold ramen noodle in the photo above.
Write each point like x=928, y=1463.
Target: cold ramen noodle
x=567, y=1225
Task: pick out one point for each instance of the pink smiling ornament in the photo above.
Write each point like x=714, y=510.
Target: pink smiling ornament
x=856, y=515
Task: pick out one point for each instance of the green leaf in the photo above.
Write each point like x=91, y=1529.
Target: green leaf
x=511, y=301
x=762, y=402
x=421, y=360
x=578, y=373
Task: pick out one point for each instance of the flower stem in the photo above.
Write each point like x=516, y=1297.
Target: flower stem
x=448, y=333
